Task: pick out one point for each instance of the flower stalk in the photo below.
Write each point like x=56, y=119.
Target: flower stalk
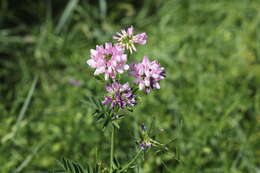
x=112, y=148
x=131, y=162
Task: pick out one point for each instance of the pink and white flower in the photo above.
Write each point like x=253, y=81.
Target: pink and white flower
x=127, y=39
x=108, y=59
x=119, y=95
x=147, y=74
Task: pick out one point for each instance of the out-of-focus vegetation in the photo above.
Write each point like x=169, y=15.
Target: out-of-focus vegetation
x=209, y=102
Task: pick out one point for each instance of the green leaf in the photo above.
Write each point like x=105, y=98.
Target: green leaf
x=116, y=124
x=71, y=167
x=117, y=163
x=89, y=169
x=99, y=78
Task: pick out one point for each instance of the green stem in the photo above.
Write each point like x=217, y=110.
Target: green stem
x=112, y=149
x=131, y=162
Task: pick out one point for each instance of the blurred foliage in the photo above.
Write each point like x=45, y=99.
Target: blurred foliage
x=209, y=102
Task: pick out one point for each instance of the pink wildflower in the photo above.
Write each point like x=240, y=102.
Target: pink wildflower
x=147, y=74
x=119, y=96
x=109, y=59
x=127, y=39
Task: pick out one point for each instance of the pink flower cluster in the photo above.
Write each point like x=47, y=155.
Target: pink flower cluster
x=119, y=95
x=110, y=59
x=147, y=74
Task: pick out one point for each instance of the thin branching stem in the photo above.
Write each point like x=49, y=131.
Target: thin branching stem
x=131, y=162
x=112, y=149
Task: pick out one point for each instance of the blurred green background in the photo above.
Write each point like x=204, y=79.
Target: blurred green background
x=209, y=102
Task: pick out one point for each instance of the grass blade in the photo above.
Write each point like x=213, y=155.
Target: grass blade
x=22, y=112
x=28, y=158
x=66, y=15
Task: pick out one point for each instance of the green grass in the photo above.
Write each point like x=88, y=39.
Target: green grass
x=209, y=102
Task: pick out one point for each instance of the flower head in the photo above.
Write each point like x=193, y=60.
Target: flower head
x=145, y=145
x=147, y=74
x=109, y=59
x=143, y=127
x=119, y=96
x=145, y=141
x=127, y=39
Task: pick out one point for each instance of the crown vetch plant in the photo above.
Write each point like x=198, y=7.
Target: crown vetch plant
x=112, y=61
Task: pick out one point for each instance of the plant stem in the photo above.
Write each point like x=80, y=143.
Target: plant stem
x=112, y=149
x=131, y=162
